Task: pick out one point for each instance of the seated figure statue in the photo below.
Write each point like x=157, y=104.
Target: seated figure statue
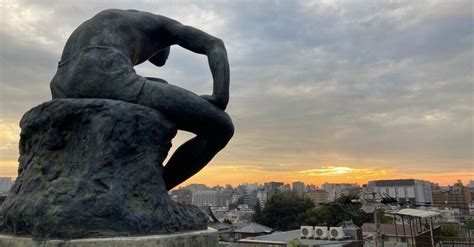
x=97, y=62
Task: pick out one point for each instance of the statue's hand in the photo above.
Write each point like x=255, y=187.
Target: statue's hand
x=213, y=100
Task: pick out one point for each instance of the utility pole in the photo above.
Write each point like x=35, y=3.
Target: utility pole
x=371, y=205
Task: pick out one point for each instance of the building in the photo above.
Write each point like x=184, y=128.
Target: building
x=293, y=238
x=471, y=189
x=224, y=198
x=311, y=187
x=455, y=196
x=5, y=184
x=262, y=198
x=336, y=190
x=196, y=187
x=182, y=196
x=298, y=187
x=205, y=198
x=245, y=230
x=272, y=188
x=415, y=191
x=317, y=196
x=284, y=188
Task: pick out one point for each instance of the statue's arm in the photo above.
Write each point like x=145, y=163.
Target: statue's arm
x=200, y=42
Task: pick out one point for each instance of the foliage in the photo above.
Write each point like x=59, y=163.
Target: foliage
x=450, y=231
x=470, y=224
x=294, y=243
x=227, y=221
x=286, y=211
x=258, y=214
x=335, y=213
x=384, y=219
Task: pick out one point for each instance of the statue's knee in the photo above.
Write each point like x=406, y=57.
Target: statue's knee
x=225, y=129
x=228, y=130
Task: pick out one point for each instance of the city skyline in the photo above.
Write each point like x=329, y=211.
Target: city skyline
x=320, y=90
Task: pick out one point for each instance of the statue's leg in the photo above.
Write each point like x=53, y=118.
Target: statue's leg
x=212, y=126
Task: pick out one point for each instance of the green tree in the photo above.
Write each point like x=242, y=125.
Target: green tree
x=384, y=219
x=227, y=221
x=342, y=209
x=286, y=211
x=470, y=224
x=450, y=231
x=258, y=214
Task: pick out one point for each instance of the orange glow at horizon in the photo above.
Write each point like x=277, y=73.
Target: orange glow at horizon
x=239, y=174
x=234, y=175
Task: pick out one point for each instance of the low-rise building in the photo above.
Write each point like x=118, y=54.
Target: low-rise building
x=205, y=198
x=455, y=196
x=245, y=230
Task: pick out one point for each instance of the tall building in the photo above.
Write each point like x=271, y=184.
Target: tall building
x=317, y=196
x=336, y=190
x=311, y=187
x=415, y=191
x=298, y=187
x=272, y=188
x=470, y=186
x=284, y=188
x=262, y=197
x=5, y=184
x=455, y=196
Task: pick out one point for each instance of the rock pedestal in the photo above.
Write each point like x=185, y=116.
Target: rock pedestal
x=92, y=167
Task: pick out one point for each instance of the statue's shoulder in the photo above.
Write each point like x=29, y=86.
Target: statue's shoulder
x=133, y=15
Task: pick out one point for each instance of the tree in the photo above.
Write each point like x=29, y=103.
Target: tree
x=227, y=221
x=450, y=231
x=286, y=211
x=470, y=224
x=257, y=215
x=333, y=214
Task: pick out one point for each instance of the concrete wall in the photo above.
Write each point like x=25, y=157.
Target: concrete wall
x=207, y=237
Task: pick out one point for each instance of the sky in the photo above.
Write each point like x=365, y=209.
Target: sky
x=321, y=91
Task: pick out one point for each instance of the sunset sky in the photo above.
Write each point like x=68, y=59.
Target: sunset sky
x=336, y=91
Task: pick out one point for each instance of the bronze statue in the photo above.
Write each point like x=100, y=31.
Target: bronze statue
x=97, y=62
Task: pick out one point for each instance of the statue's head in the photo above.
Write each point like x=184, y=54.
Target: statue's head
x=159, y=59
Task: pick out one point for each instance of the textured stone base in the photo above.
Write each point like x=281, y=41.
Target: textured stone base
x=208, y=238
x=92, y=168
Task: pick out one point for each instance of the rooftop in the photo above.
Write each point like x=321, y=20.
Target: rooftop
x=286, y=237
x=253, y=228
x=416, y=213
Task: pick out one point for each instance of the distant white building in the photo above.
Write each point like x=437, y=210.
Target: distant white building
x=262, y=198
x=5, y=184
x=298, y=187
x=205, y=198
x=335, y=190
x=414, y=191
